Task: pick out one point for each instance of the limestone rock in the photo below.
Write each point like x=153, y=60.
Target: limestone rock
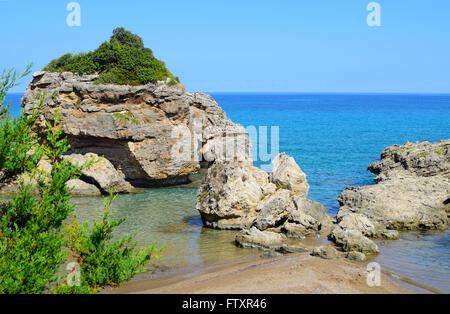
x=353, y=240
x=102, y=173
x=408, y=203
x=412, y=192
x=259, y=239
x=418, y=159
x=287, y=174
x=229, y=196
x=154, y=134
x=325, y=252
x=356, y=256
x=80, y=188
x=274, y=210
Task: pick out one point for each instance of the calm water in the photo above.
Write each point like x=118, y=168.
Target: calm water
x=333, y=138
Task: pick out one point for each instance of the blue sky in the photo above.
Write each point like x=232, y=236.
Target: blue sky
x=251, y=46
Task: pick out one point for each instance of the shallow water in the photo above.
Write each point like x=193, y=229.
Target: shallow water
x=333, y=138
x=168, y=217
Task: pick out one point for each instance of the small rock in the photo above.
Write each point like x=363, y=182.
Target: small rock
x=325, y=252
x=259, y=239
x=356, y=256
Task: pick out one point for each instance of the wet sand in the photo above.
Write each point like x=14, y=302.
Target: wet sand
x=297, y=273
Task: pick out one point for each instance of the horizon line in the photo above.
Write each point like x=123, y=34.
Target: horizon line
x=312, y=93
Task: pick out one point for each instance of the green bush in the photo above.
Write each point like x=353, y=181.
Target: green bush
x=123, y=60
x=34, y=240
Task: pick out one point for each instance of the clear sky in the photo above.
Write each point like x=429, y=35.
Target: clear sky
x=251, y=45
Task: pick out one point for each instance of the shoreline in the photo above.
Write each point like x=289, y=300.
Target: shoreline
x=298, y=273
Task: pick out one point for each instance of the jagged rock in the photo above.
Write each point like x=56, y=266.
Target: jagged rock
x=236, y=195
x=356, y=256
x=357, y=222
x=387, y=235
x=412, y=191
x=408, y=203
x=287, y=174
x=154, y=134
x=316, y=211
x=274, y=210
x=325, y=252
x=418, y=159
x=102, y=173
x=229, y=195
x=353, y=240
x=259, y=239
x=81, y=188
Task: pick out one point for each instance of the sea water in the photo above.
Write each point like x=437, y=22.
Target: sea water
x=333, y=137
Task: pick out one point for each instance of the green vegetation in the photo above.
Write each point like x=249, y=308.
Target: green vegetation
x=422, y=155
x=123, y=60
x=126, y=117
x=35, y=239
x=440, y=151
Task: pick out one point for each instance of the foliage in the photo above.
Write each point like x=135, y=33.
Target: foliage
x=34, y=241
x=16, y=136
x=105, y=262
x=123, y=60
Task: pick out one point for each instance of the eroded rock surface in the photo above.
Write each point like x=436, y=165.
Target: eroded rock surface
x=412, y=192
x=153, y=135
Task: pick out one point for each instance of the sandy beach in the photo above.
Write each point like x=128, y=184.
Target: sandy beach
x=294, y=274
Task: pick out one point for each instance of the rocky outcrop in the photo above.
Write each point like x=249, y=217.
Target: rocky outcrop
x=237, y=195
x=152, y=135
x=412, y=192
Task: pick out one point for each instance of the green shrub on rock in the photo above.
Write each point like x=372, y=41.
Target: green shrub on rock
x=123, y=60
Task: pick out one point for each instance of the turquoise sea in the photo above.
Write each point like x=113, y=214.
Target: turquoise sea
x=333, y=137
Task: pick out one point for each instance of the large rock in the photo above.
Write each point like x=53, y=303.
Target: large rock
x=230, y=194
x=81, y=188
x=254, y=238
x=413, y=159
x=274, y=210
x=287, y=174
x=236, y=195
x=412, y=192
x=154, y=134
x=101, y=174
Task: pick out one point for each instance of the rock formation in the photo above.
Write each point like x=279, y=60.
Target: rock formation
x=268, y=207
x=152, y=135
x=412, y=192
